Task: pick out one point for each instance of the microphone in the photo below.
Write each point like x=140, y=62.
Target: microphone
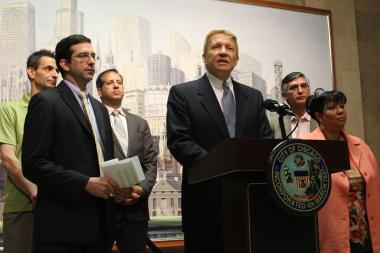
x=281, y=109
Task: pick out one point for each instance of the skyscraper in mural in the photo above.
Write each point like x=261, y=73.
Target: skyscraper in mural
x=131, y=44
x=176, y=76
x=276, y=89
x=158, y=69
x=17, y=42
x=178, y=47
x=131, y=40
x=156, y=93
x=68, y=19
x=108, y=57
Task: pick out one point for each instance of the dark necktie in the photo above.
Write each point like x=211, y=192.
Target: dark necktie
x=229, y=109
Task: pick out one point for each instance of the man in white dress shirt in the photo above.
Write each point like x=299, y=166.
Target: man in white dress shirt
x=131, y=137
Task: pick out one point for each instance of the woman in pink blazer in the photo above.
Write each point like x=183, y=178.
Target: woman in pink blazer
x=350, y=220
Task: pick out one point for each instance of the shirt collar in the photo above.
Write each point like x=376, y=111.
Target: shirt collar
x=25, y=100
x=305, y=117
x=218, y=83
x=75, y=89
x=111, y=110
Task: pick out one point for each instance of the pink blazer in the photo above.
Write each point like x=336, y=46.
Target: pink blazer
x=333, y=219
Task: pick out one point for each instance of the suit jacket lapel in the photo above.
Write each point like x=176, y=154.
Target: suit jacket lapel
x=69, y=98
x=354, y=150
x=353, y=146
x=132, y=129
x=119, y=153
x=287, y=124
x=211, y=105
x=242, y=106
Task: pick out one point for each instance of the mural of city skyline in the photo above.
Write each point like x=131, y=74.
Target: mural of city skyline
x=157, y=44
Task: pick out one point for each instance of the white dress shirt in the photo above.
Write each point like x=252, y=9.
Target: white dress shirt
x=123, y=140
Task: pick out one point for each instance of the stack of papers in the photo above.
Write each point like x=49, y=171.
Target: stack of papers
x=126, y=173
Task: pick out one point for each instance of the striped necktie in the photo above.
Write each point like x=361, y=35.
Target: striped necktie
x=86, y=106
x=120, y=131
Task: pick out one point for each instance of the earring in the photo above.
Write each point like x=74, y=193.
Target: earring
x=322, y=127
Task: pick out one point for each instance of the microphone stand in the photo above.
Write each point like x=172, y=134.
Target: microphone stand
x=282, y=126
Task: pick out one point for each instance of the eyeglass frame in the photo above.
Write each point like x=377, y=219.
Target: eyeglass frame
x=84, y=57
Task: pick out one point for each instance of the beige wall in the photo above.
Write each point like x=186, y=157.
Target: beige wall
x=368, y=33
x=356, y=41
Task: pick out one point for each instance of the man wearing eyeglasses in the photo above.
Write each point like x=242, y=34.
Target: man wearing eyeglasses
x=295, y=89
x=67, y=136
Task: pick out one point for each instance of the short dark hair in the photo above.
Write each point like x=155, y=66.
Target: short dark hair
x=317, y=102
x=288, y=78
x=63, y=48
x=34, y=59
x=99, y=80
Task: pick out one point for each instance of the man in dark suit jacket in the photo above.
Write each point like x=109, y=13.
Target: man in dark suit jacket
x=61, y=156
x=196, y=123
x=131, y=212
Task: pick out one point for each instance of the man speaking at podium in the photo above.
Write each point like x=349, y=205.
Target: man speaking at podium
x=201, y=114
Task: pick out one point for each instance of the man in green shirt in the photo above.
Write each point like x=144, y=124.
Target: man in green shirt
x=20, y=193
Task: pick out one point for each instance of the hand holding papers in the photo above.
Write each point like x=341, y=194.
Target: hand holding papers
x=126, y=173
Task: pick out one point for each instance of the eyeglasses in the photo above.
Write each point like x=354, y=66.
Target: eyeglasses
x=84, y=57
x=296, y=86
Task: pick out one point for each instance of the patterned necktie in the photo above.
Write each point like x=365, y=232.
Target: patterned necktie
x=86, y=106
x=229, y=109
x=120, y=131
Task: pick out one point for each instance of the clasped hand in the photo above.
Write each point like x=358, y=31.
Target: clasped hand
x=101, y=187
x=104, y=187
x=129, y=195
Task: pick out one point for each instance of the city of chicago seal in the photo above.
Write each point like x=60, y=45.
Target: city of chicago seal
x=299, y=177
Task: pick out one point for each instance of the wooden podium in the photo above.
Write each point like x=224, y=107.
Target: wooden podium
x=252, y=222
